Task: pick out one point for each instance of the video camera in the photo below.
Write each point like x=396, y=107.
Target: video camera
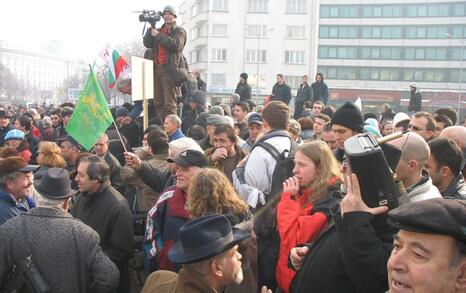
x=150, y=16
x=373, y=161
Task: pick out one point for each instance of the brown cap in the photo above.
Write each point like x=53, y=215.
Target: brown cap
x=15, y=164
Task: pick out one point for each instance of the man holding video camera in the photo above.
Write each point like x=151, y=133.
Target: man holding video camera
x=167, y=43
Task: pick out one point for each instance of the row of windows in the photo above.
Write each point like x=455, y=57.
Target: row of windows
x=252, y=31
x=391, y=53
x=393, y=10
x=253, y=6
x=391, y=32
x=392, y=74
x=219, y=79
x=252, y=55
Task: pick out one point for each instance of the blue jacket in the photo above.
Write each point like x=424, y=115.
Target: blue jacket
x=176, y=135
x=9, y=208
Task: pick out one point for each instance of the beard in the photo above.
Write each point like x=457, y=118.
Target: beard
x=239, y=276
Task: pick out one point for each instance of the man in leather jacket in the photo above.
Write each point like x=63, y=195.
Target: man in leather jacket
x=167, y=44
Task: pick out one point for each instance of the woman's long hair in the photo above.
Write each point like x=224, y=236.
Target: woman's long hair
x=327, y=167
x=212, y=193
x=50, y=155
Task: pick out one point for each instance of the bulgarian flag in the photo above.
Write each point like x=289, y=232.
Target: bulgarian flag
x=117, y=64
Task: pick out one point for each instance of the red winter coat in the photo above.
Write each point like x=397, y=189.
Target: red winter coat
x=295, y=225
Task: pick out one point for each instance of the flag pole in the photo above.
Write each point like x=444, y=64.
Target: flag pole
x=119, y=135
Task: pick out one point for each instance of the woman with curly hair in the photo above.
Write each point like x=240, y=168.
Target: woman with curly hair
x=307, y=202
x=212, y=193
x=49, y=156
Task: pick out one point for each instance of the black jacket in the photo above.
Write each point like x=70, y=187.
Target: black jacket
x=201, y=85
x=155, y=178
x=304, y=94
x=3, y=132
x=281, y=93
x=415, y=101
x=457, y=188
x=132, y=133
x=349, y=257
x=320, y=91
x=244, y=91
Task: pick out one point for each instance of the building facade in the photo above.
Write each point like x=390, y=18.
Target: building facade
x=365, y=48
x=41, y=74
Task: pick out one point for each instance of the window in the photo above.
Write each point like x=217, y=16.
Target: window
x=256, y=30
x=194, y=33
x=348, y=11
x=459, y=9
x=295, y=32
x=219, y=54
x=296, y=6
x=220, y=5
x=294, y=81
x=324, y=11
x=218, y=79
x=256, y=56
x=219, y=30
x=294, y=57
x=420, y=54
x=421, y=32
x=459, y=32
x=258, y=6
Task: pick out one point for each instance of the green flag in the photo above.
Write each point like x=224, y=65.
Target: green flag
x=92, y=116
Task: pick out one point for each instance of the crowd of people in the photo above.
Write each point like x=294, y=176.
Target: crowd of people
x=232, y=197
x=239, y=199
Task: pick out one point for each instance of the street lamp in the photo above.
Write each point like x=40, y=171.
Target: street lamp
x=461, y=72
x=259, y=35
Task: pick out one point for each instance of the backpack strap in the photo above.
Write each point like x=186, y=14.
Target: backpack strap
x=270, y=149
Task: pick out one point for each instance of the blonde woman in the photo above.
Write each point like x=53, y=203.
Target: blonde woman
x=306, y=203
x=212, y=193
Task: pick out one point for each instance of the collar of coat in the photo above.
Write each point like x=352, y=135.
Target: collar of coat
x=190, y=281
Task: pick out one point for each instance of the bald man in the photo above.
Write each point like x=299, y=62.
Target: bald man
x=458, y=135
x=414, y=155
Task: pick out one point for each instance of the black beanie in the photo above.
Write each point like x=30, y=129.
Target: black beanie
x=244, y=76
x=349, y=116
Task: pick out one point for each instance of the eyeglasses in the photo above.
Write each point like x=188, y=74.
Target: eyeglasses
x=415, y=128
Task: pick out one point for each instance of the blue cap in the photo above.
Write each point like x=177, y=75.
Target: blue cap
x=14, y=134
x=255, y=118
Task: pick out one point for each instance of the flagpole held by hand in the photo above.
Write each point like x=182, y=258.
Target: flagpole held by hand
x=119, y=135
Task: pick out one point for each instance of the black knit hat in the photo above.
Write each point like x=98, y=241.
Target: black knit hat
x=349, y=116
x=244, y=76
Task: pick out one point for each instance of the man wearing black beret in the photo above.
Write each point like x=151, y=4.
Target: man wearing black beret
x=429, y=253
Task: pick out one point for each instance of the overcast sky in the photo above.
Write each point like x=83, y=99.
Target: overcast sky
x=84, y=26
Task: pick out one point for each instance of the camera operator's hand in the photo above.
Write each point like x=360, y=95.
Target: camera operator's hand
x=154, y=32
x=353, y=201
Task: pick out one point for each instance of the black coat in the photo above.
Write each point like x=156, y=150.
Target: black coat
x=415, y=101
x=132, y=133
x=320, y=91
x=349, y=257
x=304, y=94
x=108, y=213
x=281, y=92
x=3, y=132
x=155, y=178
x=201, y=85
x=456, y=189
x=244, y=91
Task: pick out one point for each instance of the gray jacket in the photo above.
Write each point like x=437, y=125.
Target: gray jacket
x=65, y=250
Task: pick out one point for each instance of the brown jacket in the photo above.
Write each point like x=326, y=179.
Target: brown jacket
x=240, y=154
x=146, y=196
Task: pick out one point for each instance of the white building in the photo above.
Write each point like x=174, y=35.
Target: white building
x=366, y=48
x=42, y=74
x=260, y=37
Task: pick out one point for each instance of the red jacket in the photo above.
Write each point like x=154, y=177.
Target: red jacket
x=295, y=225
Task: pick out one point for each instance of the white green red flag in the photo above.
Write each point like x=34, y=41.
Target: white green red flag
x=118, y=66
